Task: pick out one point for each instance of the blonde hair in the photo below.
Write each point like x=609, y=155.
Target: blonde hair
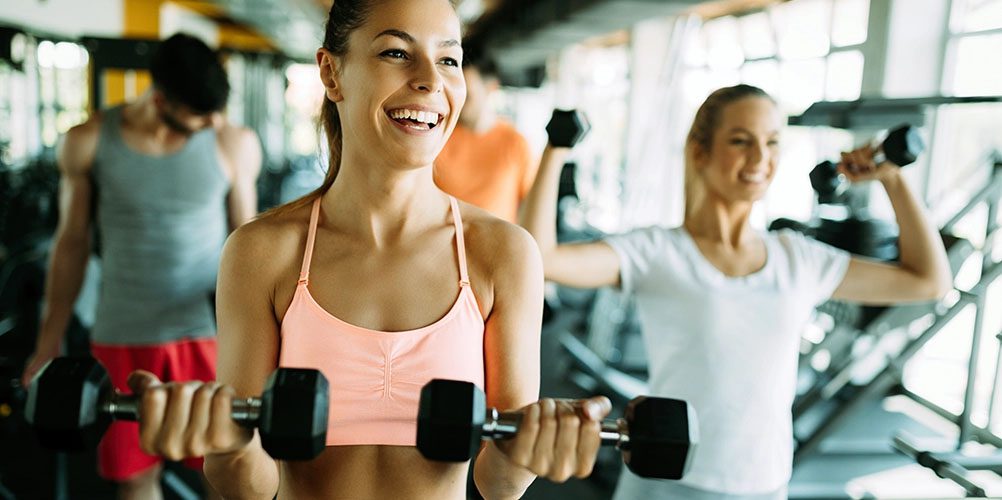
x=704, y=125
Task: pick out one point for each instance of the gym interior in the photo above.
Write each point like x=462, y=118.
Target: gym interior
x=897, y=401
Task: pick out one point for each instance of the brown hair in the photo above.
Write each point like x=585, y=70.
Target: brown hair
x=344, y=17
x=704, y=125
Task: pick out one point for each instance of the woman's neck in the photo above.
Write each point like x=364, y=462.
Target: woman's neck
x=381, y=205
x=721, y=222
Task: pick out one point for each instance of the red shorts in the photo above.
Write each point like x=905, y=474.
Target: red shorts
x=119, y=457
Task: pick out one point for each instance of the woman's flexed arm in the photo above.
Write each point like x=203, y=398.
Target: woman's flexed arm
x=923, y=272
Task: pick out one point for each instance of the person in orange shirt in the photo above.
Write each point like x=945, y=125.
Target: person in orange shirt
x=486, y=162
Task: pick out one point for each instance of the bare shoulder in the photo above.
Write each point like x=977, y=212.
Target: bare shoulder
x=240, y=147
x=232, y=136
x=78, y=147
x=270, y=246
x=499, y=245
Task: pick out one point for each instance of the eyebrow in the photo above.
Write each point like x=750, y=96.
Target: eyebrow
x=749, y=132
x=405, y=36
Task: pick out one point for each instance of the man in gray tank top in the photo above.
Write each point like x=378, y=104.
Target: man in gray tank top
x=169, y=179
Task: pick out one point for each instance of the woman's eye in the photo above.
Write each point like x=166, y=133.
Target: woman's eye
x=394, y=54
x=739, y=141
x=450, y=62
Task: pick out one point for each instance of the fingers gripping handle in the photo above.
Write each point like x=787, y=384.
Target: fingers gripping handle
x=503, y=425
x=126, y=407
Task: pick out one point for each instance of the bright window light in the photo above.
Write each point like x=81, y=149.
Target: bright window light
x=723, y=44
x=979, y=66
x=802, y=83
x=849, y=22
x=802, y=28
x=845, y=76
x=757, y=37
x=976, y=15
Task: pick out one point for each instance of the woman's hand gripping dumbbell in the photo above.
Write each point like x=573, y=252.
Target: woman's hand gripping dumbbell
x=657, y=435
x=71, y=402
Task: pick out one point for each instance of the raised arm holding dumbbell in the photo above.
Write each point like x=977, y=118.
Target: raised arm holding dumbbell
x=922, y=268
x=538, y=214
x=901, y=147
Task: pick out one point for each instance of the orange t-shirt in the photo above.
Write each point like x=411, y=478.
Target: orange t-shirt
x=493, y=170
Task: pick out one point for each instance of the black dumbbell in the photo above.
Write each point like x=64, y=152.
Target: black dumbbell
x=901, y=147
x=71, y=402
x=567, y=128
x=656, y=435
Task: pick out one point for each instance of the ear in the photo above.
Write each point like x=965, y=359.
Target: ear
x=329, y=66
x=697, y=154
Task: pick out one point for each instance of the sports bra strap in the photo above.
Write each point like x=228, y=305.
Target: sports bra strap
x=464, y=276
x=304, y=274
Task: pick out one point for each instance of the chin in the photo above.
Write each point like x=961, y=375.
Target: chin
x=417, y=161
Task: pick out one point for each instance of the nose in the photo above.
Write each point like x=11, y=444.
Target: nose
x=759, y=153
x=426, y=77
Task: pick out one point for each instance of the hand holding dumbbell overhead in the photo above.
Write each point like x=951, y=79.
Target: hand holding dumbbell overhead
x=71, y=403
x=871, y=162
x=901, y=148
x=566, y=128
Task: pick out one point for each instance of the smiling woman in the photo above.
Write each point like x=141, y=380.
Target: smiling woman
x=382, y=282
x=722, y=305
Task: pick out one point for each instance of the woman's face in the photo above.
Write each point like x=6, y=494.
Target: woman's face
x=400, y=87
x=742, y=158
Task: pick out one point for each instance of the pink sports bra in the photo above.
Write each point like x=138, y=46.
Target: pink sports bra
x=376, y=377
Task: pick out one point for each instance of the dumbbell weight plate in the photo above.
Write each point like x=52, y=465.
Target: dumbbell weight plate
x=63, y=407
x=664, y=434
x=566, y=128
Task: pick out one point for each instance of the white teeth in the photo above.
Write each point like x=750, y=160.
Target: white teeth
x=419, y=116
x=753, y=177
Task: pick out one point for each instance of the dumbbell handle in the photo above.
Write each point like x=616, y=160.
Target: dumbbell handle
x=503, y=425
x=126, y=407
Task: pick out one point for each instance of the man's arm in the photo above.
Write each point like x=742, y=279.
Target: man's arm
x=71, y=245
x=240, y=152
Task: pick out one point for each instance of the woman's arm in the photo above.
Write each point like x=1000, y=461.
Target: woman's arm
x=248, y=352
x=511, y=354
x=190, y=419
x=923, y=272
x=556, y=439
x=583, y=265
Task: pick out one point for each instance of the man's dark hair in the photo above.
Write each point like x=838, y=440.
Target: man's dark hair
x=188, y=72
x=477, y=58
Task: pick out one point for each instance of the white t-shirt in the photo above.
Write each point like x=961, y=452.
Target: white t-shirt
x=729, y=346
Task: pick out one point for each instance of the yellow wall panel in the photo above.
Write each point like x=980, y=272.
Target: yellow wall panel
x=113, y=83
x=143, y=81
x=141, y=18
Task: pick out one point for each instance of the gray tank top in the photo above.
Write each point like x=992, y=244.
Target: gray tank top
x=161, y=224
